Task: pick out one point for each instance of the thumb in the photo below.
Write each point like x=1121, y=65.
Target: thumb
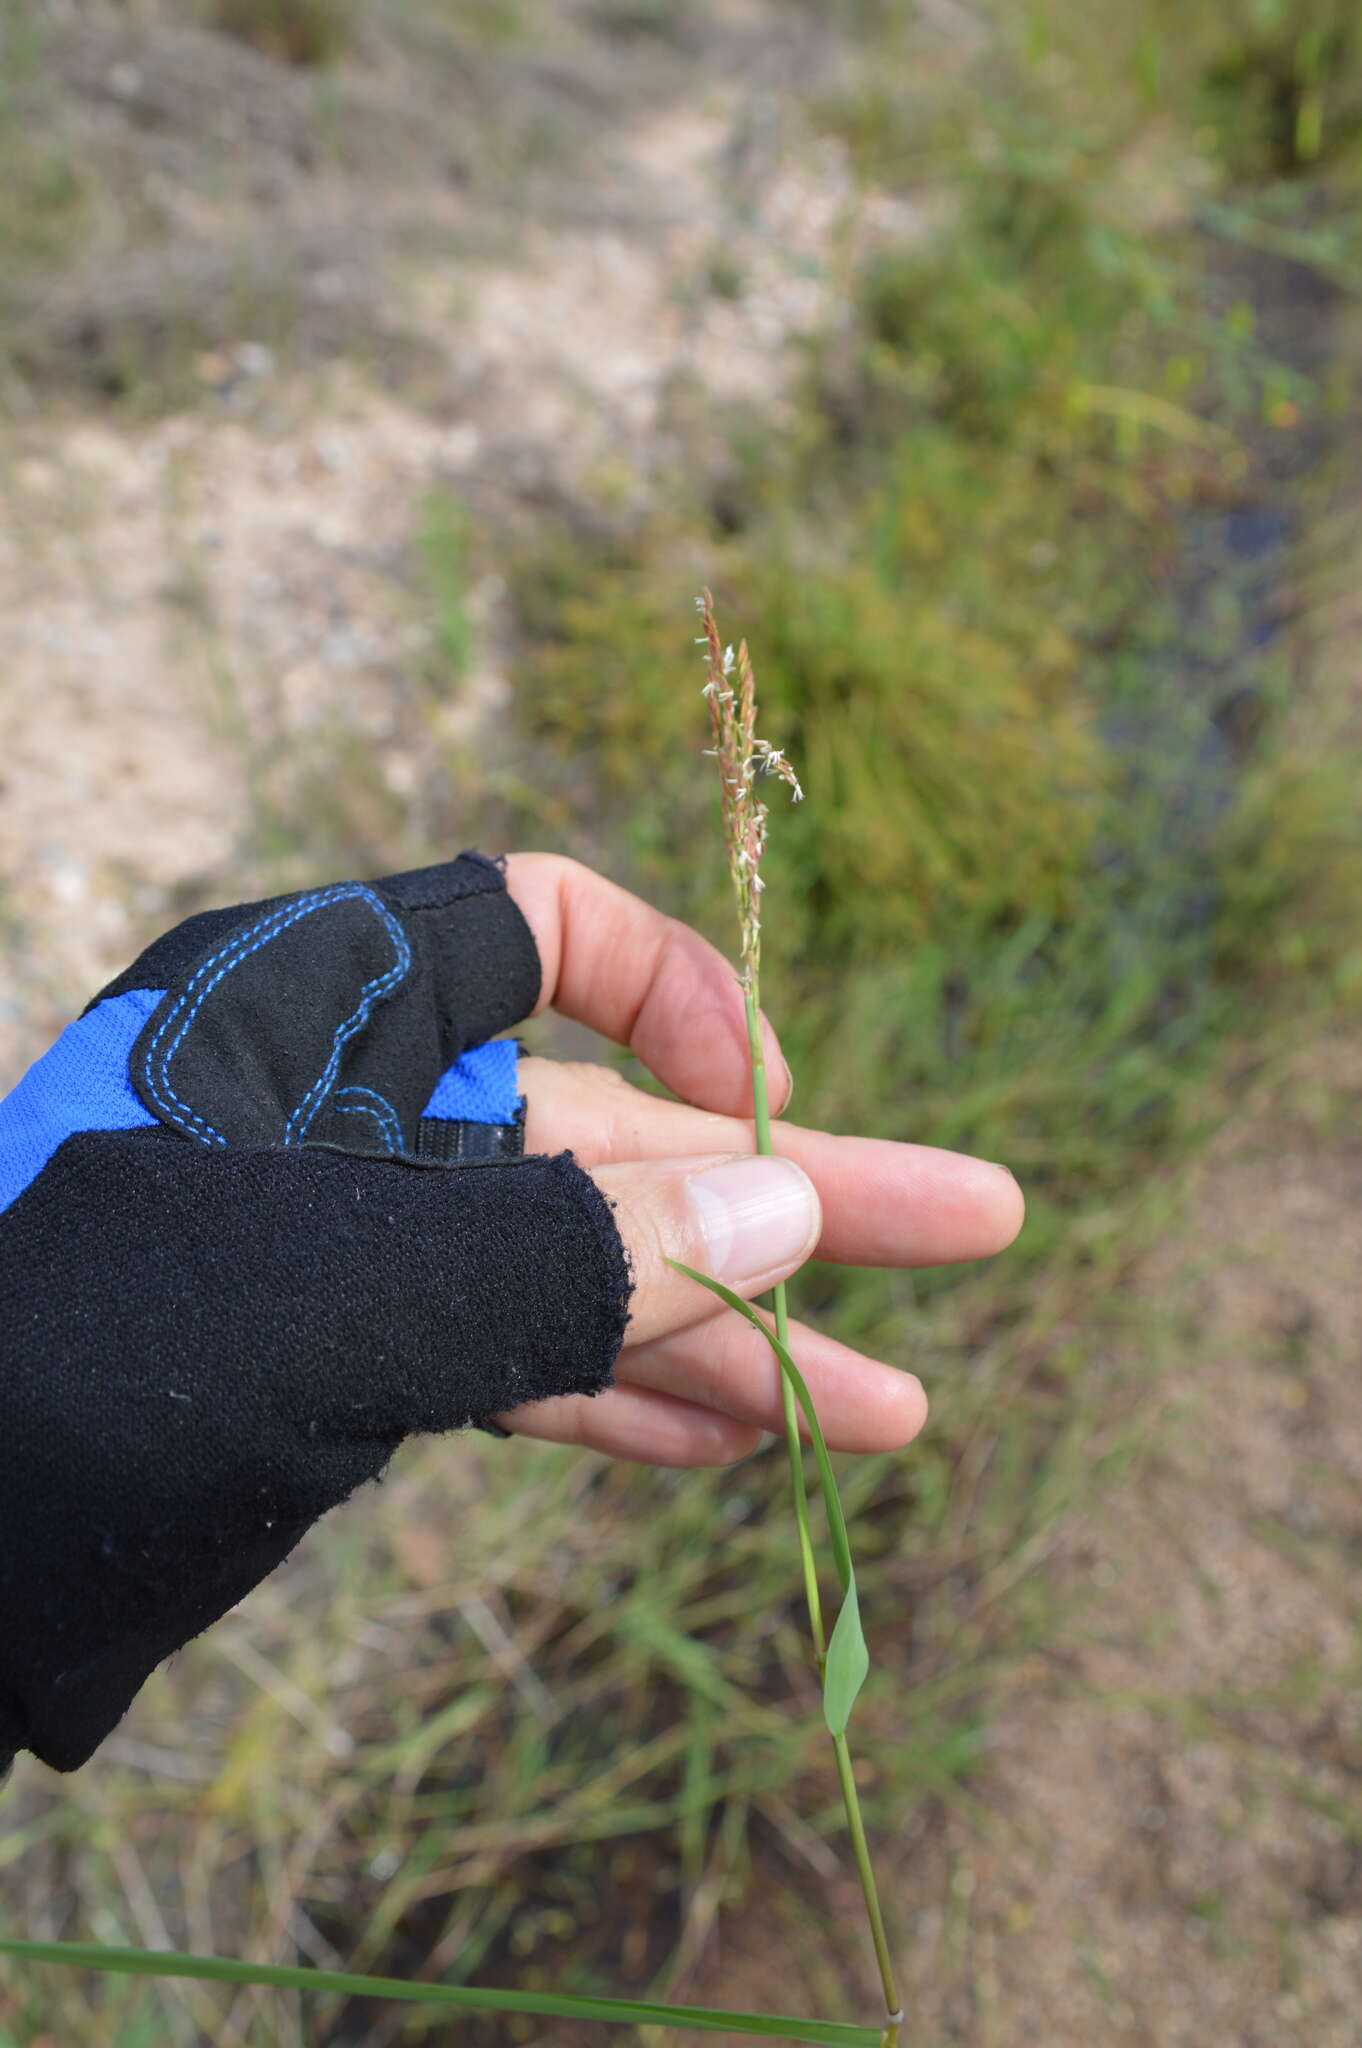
x=748, y=1220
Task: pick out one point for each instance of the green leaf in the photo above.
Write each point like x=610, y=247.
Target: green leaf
x=848, y=1661
x=853, y=1659
x=141, y=1962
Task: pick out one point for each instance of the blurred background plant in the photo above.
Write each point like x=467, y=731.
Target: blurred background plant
x=994, y=365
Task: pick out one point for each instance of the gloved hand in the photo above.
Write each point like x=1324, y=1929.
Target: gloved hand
x=264, y=1213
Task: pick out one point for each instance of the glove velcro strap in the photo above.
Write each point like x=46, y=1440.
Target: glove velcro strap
x=437, y=1138
x=476, y=1110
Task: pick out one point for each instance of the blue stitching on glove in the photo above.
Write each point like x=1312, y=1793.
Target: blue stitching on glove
x=232, y=954
x=375, y=1105
x=373, y=992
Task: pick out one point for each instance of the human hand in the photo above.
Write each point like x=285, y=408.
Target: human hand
x=265, y=1213
x=695, y=1384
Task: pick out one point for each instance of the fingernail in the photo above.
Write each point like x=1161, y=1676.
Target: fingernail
x=756, y=1215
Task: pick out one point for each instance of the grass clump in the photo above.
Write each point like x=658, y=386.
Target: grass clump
x=45, y=198
x=967, y=567
x=302, y=33
x=959, y=578
x=1255, y=89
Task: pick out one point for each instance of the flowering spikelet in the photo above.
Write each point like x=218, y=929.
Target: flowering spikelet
x=744, y=761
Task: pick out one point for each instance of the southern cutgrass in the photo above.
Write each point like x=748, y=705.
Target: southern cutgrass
x=745, y=760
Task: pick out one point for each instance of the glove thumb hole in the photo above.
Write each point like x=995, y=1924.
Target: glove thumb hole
x=748, y=1220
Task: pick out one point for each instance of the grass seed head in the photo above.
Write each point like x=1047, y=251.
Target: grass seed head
x=744, y=762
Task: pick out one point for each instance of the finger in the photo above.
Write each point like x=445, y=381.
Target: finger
x=884, y=1204
x=644, y=979
x=633, y=1422
x=749, y=1221
x=723, y=1364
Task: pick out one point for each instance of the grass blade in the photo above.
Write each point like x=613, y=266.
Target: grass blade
x=853, y=1658
x=138, y=1962
x=847, y=1665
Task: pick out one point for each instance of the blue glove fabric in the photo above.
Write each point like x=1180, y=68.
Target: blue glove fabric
x=83, y=1084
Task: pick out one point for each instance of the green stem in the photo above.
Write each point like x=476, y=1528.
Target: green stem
x=850, y=1799
x=762, y=1115
x=861, y=1850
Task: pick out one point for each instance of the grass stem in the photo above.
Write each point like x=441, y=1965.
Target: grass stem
x=846, y=1777
x=745, y=760
x=762, y=1117
x=861, y=1851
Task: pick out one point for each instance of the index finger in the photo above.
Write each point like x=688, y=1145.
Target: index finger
x=644, y=979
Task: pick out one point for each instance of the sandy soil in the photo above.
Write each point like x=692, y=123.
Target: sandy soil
x=1166, y=1847
x=1183, y=1866
x=185, y=598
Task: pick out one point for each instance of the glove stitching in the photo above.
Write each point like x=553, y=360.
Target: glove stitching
x=375, y=1105
x=372, y=993
x=236, y=950
x=276, y=921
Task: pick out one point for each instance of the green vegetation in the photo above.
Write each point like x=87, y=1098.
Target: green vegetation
x=298, y=32
x=1020, y=884
x=1064, y=862
x=220, y=1970
x=44, y=197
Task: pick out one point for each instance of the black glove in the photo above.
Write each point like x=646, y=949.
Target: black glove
x=263, y=1214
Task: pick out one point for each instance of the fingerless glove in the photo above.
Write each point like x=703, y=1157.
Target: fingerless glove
x=263, y=1215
